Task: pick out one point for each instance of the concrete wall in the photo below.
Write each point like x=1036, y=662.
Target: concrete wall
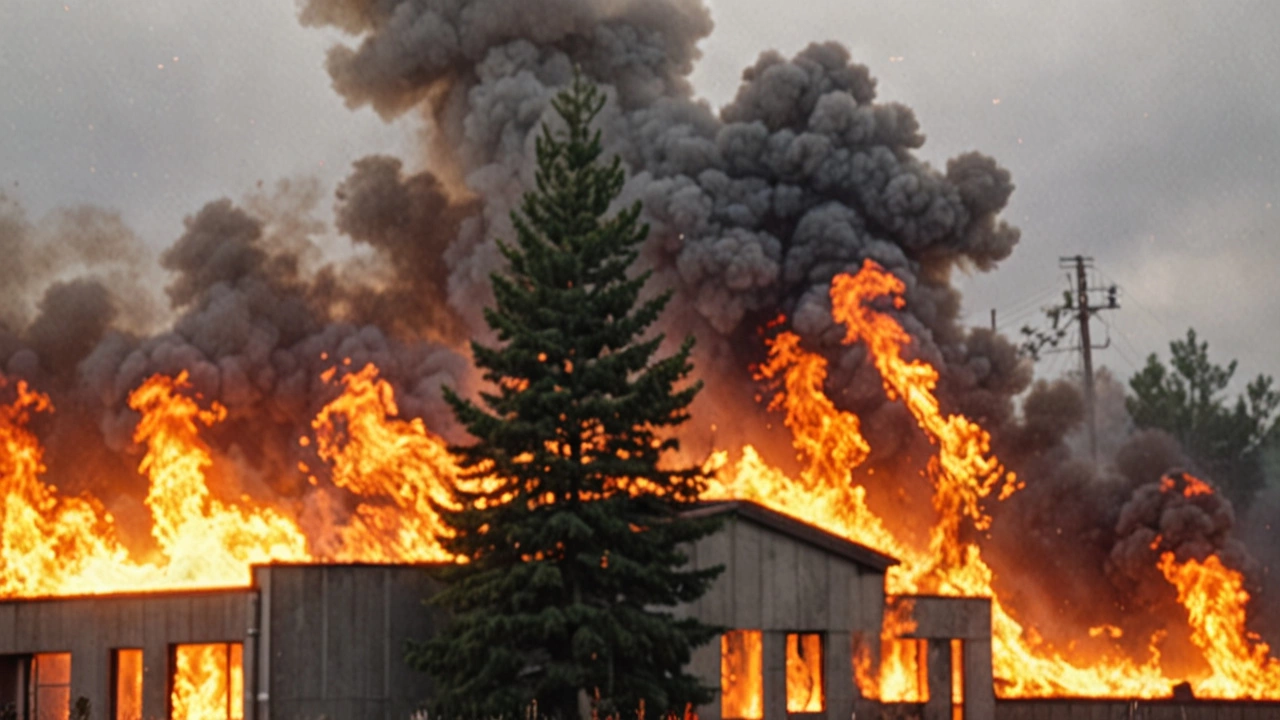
x=778, y=584
x=333, y=640
x=1134, y=710
x=90, y=628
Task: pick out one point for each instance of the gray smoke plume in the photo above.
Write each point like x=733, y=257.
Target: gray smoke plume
x=752, y=209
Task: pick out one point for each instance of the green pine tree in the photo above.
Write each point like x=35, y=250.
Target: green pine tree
x=574, y=545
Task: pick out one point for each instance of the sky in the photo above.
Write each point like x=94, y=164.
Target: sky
x=1144, y=134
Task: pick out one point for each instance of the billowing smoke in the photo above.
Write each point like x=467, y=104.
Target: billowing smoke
x=752, y=210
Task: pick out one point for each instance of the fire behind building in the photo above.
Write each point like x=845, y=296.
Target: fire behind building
x=803, y=612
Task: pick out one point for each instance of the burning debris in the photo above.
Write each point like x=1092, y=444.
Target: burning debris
x=287, y=408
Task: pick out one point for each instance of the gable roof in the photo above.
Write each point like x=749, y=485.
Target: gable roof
x=798, y=530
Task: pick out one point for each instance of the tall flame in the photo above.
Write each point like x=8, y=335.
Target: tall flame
x=206, y=542
x=396, y=466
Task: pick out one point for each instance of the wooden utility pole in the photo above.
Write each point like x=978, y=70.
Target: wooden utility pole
x=1083, y=312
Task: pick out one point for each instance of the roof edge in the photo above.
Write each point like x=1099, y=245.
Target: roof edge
x=797, y=529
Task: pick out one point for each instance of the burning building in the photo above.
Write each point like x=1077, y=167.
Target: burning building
x=284, y=413
x=327, y=641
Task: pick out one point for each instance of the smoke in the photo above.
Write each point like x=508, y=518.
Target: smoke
x=752, y=209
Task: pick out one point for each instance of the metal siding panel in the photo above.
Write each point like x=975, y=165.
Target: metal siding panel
x=409, y=619
x=939, y=678
x=780, y=582
x=747, y=576
x=812, y=610
x=296, y=634
x=842, y=611
x=979, y=687
x=871, y=598
x=775, y=674
x=355, y=643
x=837, y=674
x=8, y=627
x=705, y=665
x=716, y=605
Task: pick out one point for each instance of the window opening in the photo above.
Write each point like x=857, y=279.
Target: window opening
x=208, y=681
x=804, y=673
x=904, y=670
x=957, y=680
x=742, y=675
x=126, y=684
x=51, y=686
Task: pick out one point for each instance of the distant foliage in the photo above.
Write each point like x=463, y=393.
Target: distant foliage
x=1229, y=440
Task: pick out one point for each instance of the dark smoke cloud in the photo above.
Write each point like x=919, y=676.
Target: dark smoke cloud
x=752, y=209
x=1160, y=518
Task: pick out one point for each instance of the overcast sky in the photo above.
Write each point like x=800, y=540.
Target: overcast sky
x=1144, y=134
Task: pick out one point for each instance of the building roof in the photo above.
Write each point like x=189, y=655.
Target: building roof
x=798, y=530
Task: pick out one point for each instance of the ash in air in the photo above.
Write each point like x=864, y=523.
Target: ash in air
x=753, y=209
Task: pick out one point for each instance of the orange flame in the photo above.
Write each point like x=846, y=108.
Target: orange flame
x=1241, y=664
x=208, y=682
x=206, y=542
x=964, y=473
x=804, y=673
x=397, y=470
x=742, y=674
x=396, y=466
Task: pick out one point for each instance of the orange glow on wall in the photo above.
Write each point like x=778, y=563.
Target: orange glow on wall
x=805, y=693
x=957, y=679
x=742, y=675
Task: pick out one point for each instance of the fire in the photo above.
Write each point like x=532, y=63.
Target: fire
x=208, y=682
x=53, y=545
x=207, y=543
x=804, y=673
x=394, y=472
x=742, y=674
x=396, y=466
x=1242, y=665
x=964, y=474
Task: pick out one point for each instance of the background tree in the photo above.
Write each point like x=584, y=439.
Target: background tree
x=574, y=541
x=1228, y=440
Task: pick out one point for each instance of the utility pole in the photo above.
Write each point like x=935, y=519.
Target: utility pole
x=1083, y=312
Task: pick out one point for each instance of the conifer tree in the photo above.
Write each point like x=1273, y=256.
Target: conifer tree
x=573, y=544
